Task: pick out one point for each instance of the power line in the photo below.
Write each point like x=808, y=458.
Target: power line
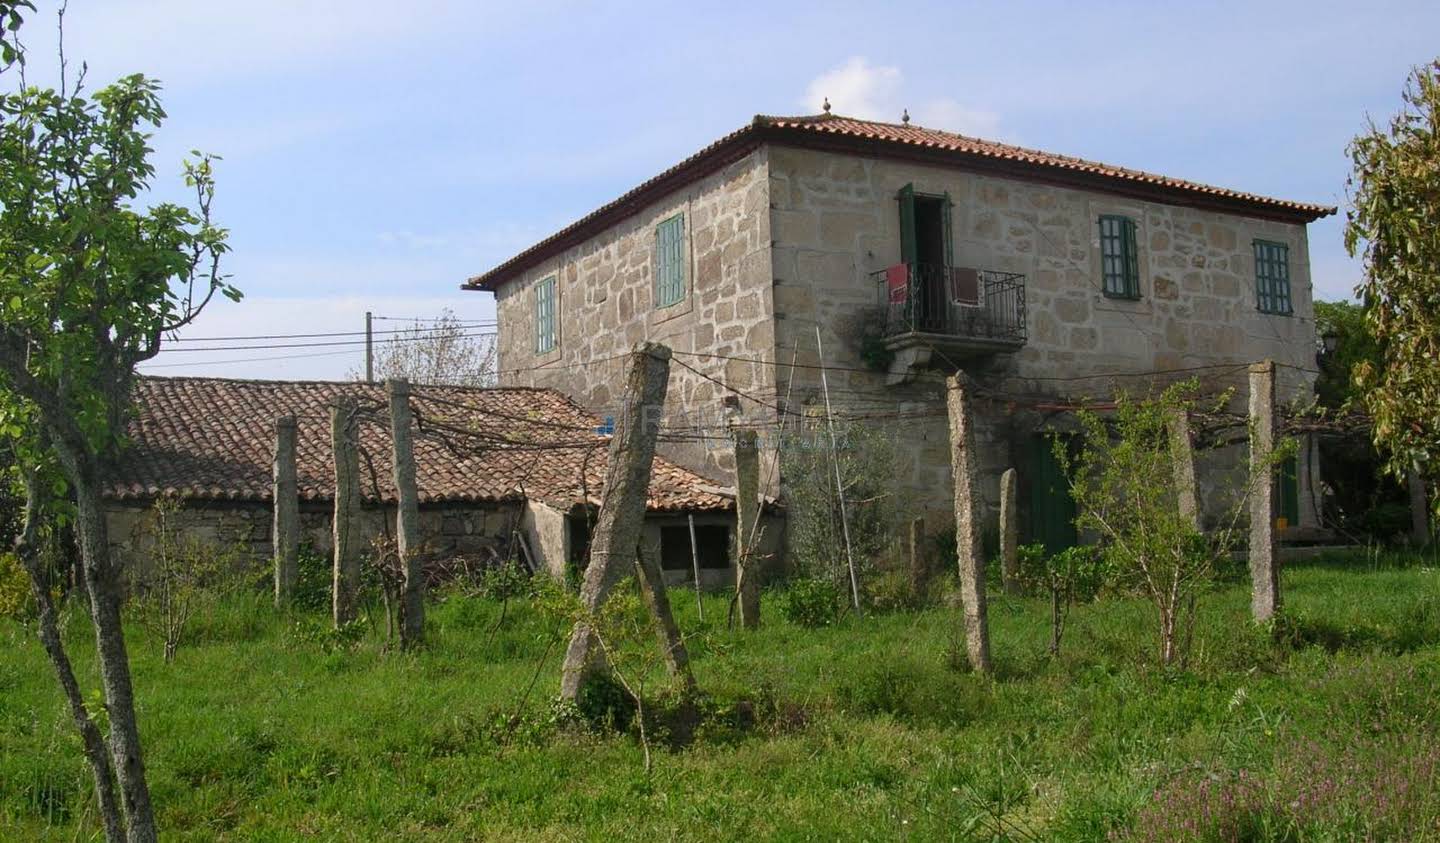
x=361, y=343
x=148, y=365
x=464, y=325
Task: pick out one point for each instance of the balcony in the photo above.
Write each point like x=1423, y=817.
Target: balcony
x=938, y=315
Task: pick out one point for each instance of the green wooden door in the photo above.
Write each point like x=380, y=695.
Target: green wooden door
x=1289, y=492
x=1052, y=510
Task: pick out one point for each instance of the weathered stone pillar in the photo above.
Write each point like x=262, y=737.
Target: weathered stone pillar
x=747, y=518
x=616, y=536
x=1009, y=533
x=652, y=589
x=1182, y=453
x=285, y=503
x=1419, y=510
x=963, y=465
x=407, y=516
x=345, y=585
x=1264, y=569
x=917, y=556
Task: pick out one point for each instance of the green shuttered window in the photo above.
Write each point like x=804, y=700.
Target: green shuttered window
x=545, y=315
x=1272, y=277
x=670, y=261
x=1119, y=261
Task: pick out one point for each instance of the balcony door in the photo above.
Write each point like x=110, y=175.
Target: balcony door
x=927, y=248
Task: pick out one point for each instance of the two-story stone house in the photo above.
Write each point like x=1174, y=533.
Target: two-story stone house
x=913, y=252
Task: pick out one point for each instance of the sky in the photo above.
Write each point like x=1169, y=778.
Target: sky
x=375, y=155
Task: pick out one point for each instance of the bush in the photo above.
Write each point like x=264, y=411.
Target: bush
x=314, y=576
x=812, y=602
x=16, y=601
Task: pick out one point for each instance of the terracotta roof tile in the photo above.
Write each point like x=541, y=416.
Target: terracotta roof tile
x=874, y=138
x=214, y=438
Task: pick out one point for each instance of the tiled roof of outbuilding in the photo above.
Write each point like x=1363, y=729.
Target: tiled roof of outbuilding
x=904, y=141
x=213, y=438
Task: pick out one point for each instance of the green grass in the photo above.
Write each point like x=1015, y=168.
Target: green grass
x=1326, y=730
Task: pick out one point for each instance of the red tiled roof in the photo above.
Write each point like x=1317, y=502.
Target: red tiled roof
x=213, y=438
x=895, y=140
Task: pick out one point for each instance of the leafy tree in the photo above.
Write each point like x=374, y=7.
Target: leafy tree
x=90, y=284
x=1075, y=574
x=1394, y=223
x=1123, y=483
x=445, y=351
x=1354, y=345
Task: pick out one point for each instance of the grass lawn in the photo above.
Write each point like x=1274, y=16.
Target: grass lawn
x=1328, y=730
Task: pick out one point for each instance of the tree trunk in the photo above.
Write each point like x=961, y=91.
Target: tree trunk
x=91, y=740
x=102, y=579
x=622, y=505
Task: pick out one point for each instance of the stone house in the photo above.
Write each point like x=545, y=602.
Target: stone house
x=490, y=463
x=903, y=254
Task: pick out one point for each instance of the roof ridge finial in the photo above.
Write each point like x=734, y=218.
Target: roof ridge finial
x=826, y=105
x=905, y=116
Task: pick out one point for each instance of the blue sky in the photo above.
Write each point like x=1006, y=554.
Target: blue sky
x=377, y=154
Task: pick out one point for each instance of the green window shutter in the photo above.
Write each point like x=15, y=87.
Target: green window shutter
x=909, y=246
x=1272, y=277
x=949, y=233
x=545, y=333
x=670, y=261
x=1119, y=257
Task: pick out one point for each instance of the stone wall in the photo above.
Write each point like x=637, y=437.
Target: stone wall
x=606, y=307
x=448, y=528
x=836, y=221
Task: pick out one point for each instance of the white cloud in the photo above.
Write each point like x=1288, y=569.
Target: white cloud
x=861, y=89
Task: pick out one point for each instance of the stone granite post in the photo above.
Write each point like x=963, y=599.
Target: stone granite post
x=1182, y=453
x=616, y=537
x=1009, y=533
x=1264, y=573
x=407, y=516
x=1419, y=510
x=963, y=465
x=747, y=517
x=345, y=585
x=285, y=503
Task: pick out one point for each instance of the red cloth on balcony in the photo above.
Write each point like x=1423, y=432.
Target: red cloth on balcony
x=897, y=283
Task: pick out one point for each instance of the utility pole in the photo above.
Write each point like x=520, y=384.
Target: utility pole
x=369, y=348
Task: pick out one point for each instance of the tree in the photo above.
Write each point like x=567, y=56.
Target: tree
x=444, y=351
x=1354, y=345
x=1394, y=224
x=1123, y=482
x=90, y=285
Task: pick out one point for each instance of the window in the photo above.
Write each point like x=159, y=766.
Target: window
x=1119, y=264
x=545, y=315
x=1272, y=277
x=670, y=261
x=712, y=547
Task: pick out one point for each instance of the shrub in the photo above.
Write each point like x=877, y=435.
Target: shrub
x=812, y=602
x=16, y=600
x=314, y=577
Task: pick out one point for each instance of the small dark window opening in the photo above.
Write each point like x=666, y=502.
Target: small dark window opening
x=712, y=545
x=581, y=526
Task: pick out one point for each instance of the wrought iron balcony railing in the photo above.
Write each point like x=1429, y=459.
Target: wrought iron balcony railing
x=954, y=302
